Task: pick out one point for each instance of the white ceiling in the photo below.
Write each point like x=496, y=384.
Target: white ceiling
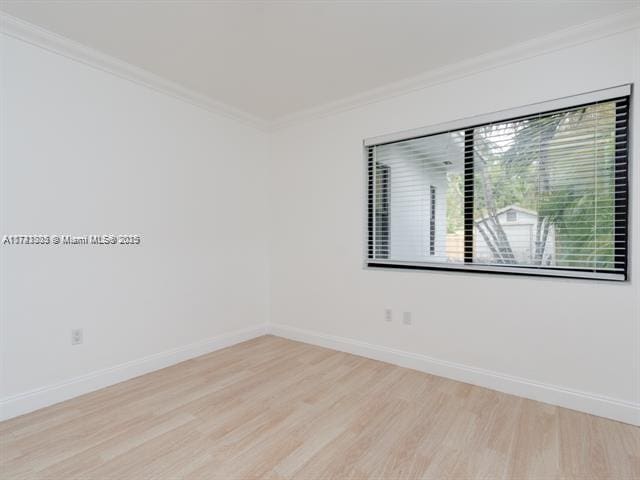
x=272, y=59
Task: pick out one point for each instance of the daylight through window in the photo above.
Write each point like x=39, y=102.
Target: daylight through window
x=542, y=193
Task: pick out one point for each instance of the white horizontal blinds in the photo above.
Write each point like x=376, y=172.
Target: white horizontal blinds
x=540, y=193
x=418, y=199
x=378, y=207
x=545, y=189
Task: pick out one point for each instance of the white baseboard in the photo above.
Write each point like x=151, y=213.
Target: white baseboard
x=602, y=406
x=42, y=397
x=576, y=400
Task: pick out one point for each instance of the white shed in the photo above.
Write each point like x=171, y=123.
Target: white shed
x=520, y=227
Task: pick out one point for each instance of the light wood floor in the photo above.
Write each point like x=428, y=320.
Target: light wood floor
x=272, y=408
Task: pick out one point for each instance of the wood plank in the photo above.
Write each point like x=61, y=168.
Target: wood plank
x=276, y=409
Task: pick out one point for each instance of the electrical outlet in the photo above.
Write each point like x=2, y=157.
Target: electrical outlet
x=388, y=314
x=76, y=336
x=406, y=318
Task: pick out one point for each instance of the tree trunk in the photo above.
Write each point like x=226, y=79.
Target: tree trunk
x=501, y=239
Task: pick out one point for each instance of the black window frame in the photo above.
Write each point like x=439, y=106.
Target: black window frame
x=432, y=219
x=621, y=205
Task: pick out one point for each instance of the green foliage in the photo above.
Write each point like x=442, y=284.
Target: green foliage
x=539, y=165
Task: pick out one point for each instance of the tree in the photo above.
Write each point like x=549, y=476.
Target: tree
x=524, y=163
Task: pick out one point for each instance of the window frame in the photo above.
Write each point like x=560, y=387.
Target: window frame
x=432, y=219
x=621, y=194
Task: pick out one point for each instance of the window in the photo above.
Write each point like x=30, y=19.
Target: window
x=539, y=190
x=379, y=214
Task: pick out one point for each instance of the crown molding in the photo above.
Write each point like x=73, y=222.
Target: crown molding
x=40, y=37
x=600, y=28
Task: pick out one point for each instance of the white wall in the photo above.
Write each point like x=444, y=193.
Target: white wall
x=573, y=342
x=86, y=152
x=410, y=205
